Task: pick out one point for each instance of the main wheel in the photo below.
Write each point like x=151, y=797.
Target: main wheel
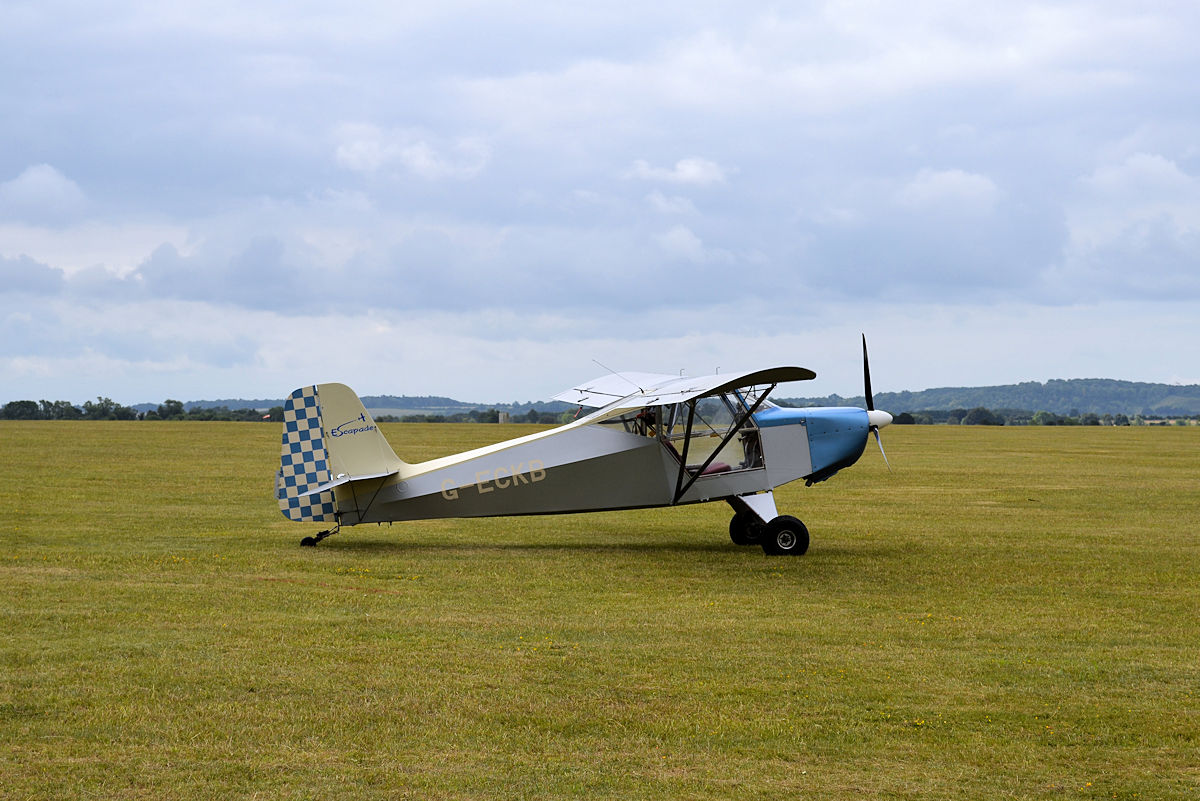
x=745, y=529
x=785, y=536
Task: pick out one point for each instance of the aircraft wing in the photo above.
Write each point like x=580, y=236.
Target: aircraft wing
x=635, y=390
x=612, y=387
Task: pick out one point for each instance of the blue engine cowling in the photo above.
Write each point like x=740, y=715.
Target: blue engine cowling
x=837, y=435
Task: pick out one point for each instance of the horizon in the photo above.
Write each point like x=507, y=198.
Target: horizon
x=200, y=202
x=776, y=394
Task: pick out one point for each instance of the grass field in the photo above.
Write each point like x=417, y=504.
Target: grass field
x=1012, y=613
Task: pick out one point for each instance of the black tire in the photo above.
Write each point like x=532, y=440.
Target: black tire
x=745, y=529
x=308, y=542
x=785, y=536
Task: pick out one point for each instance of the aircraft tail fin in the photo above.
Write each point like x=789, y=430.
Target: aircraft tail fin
x=329, y=439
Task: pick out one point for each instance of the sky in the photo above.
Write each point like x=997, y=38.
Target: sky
x=496, y=202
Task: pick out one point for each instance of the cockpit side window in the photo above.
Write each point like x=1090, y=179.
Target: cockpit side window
x=712, y=430
x=644, y=422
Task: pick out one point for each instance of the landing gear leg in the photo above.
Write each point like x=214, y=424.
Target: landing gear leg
x=309, y=542
x=751, y=513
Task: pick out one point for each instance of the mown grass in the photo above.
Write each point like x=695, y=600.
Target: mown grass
x=1012, y=613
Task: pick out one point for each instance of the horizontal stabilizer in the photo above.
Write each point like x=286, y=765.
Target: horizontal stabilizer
x=345, y=479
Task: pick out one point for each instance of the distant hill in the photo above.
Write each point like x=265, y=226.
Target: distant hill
x=435, y=404
x=1060, y=396
x=398, y=405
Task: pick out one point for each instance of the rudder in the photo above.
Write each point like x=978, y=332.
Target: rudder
x=303, y=462
x=356, y=447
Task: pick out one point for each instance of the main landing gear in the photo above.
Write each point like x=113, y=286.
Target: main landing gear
x=783, y=536
x=308, y=542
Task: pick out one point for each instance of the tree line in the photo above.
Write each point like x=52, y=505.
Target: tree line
x=480, y=416
x=982, y=416
x=107, y=409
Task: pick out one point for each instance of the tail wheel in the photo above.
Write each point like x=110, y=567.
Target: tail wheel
x=785, y=536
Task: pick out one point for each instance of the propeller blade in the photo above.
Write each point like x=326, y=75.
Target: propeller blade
x=875, y=420
x=879, y=441
x=867, y=378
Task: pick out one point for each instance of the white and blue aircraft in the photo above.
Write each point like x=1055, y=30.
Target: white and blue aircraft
x=651, y=440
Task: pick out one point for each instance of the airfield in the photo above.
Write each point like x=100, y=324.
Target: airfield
x=1010, y=613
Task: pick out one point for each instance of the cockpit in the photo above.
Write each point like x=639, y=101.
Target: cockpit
x=709, y=435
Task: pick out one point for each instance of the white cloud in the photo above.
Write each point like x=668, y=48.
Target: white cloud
x=670, y=204
x=950, y=190
x=119, y=247
x=1134, y=229
x=366, y=148
x=756, y=64
x=41, y=192
x=679, y=242
x=361, y=148
x=1143, y=186
x=692, y=171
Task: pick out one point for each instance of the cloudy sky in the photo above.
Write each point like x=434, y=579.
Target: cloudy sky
x=204, y=200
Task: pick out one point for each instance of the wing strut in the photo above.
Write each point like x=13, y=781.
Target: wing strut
x=680, y=487
x=687, y=440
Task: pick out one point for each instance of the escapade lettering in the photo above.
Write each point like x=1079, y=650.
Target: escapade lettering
x=342, y=431
x=499, y=478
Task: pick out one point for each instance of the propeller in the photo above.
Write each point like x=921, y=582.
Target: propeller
x=875, y=419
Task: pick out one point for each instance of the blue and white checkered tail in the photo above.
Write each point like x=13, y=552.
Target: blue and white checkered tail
x=303, y=462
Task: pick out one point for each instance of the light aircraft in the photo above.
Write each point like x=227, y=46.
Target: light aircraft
x=652, y=440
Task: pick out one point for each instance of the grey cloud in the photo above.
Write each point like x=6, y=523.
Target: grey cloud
x=952, y=250
x=550, y=268
x=1134, y=232
x=23, y=274
x=130, y=331
x=944, y=178
x=263, y=273
x=36, y=330
x=207, y=348
x=1149, y=258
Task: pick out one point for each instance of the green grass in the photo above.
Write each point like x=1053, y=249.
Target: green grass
x=1012, y=613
